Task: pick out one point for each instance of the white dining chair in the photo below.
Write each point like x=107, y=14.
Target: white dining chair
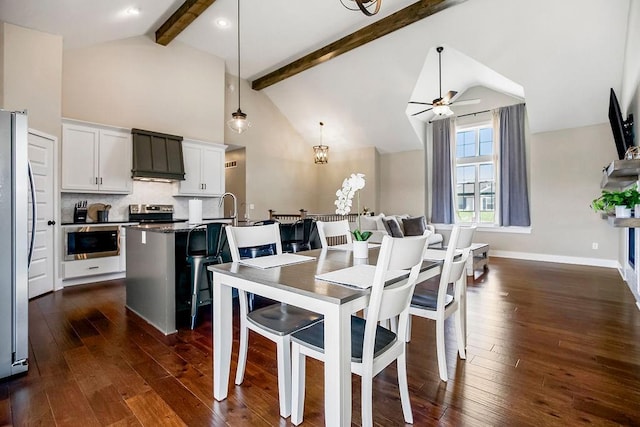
x=333, y=229
x=373, y=347
x=276, y=321
x=438, y=305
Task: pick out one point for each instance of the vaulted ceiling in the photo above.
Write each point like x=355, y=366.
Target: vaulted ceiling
x=561, y=57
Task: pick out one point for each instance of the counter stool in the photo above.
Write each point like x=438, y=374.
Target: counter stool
x=203, y=249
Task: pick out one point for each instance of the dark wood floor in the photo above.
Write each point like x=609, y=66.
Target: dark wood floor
x=549, y=344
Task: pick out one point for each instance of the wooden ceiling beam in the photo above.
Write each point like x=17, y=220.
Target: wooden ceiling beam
x=384, y=26
x=181, y=19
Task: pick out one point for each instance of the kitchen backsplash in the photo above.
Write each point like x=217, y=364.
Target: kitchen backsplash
x=143, y=193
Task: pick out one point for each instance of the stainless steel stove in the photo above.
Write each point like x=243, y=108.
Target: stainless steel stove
x=151, y=213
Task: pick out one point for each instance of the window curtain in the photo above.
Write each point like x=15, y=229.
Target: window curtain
x=514, y=193
x=442, y=194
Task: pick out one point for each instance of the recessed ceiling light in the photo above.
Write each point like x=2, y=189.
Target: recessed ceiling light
x=133, y=11
x=222, y=23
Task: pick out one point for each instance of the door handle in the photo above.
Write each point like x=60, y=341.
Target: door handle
x=51, y=222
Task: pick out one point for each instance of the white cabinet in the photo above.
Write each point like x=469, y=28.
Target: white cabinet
x=204, y=169
x=96, y=159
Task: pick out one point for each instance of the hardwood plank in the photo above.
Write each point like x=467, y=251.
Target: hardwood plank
x=5, y=406
x=29, y=402
x=150, y=409
x=108, y=406
x=70, y=406
x=87, y=372
x=407, y=16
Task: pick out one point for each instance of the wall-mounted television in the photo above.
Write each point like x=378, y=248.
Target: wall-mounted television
x=622, y=129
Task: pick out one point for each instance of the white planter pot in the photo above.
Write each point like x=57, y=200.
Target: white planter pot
x=623, y=212
x=360, y=249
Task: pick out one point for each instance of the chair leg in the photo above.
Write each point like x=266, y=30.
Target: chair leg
x=298, y=367
x=196, y=274
x=409, y=328
x=284, y=375
x=442, y=354
x=242, y=351
x=367, y=399
x=460, y=332
x=403, y=385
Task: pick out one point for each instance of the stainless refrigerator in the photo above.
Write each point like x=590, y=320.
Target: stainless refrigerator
x=16, y=187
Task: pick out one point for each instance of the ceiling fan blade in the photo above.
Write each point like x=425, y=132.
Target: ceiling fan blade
x=420, y=103
x=448, y=96
x=466, y=102
x=420, y=112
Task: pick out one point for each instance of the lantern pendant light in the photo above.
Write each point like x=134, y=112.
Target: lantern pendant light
x=321, y=152
x=239, y=122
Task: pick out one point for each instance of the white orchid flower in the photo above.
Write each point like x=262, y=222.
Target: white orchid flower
x=347, y=192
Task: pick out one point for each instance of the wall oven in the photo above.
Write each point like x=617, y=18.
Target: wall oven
x=88, y=241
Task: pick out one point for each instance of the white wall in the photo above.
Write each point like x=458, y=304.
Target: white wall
x=31, y=74
x=402, y=178
x=136, y=83
x=343, y=163
x=279, y=165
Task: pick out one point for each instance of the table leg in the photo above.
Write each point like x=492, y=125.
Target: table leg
x=337, y=367
x=222, y=337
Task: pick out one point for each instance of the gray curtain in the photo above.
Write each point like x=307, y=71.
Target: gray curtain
x=514, y=193
x=442, y=195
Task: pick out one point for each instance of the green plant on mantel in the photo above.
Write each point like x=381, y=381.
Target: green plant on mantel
x=608, y=200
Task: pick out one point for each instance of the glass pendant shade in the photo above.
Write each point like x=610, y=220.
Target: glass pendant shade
x=239, y=122
x=321, y=154
x=442, y=110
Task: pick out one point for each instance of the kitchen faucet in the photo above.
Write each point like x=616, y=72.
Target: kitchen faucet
x=235, y=207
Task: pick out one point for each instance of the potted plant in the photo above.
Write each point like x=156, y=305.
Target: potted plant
x=622, y=201
x=350, y=188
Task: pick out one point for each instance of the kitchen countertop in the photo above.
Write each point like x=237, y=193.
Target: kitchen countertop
x=175, y=227
x=84, y=224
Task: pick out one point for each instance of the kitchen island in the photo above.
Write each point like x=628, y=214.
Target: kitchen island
x=158, y=278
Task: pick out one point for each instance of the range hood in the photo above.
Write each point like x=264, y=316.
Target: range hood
x=157, y=156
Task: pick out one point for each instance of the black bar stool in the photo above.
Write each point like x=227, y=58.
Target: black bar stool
x=204, y=247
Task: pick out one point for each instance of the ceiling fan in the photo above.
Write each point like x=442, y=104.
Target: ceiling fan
x=440, y=106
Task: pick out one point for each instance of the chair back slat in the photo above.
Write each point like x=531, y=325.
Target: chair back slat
x=390, y=301
x=453, y=267
x=259, y=235
x=328, y=231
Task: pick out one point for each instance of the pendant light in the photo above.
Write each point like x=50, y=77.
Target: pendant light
x=321, y=152
x=239, y=122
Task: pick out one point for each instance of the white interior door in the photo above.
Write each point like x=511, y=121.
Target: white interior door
x=41, y=271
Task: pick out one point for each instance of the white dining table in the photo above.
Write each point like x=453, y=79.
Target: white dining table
x=296, y=284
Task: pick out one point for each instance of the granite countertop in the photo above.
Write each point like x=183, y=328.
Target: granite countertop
x=175, y=227
x=84, y=224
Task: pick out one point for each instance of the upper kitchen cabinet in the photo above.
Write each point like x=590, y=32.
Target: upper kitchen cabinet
x=204, y=169
x=96, y=159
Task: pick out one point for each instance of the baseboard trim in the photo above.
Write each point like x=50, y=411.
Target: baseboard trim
x=596, y=262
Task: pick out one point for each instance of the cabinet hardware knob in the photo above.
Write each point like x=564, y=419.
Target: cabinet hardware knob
x=51, y=222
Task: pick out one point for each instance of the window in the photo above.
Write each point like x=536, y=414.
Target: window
x=475, y=175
